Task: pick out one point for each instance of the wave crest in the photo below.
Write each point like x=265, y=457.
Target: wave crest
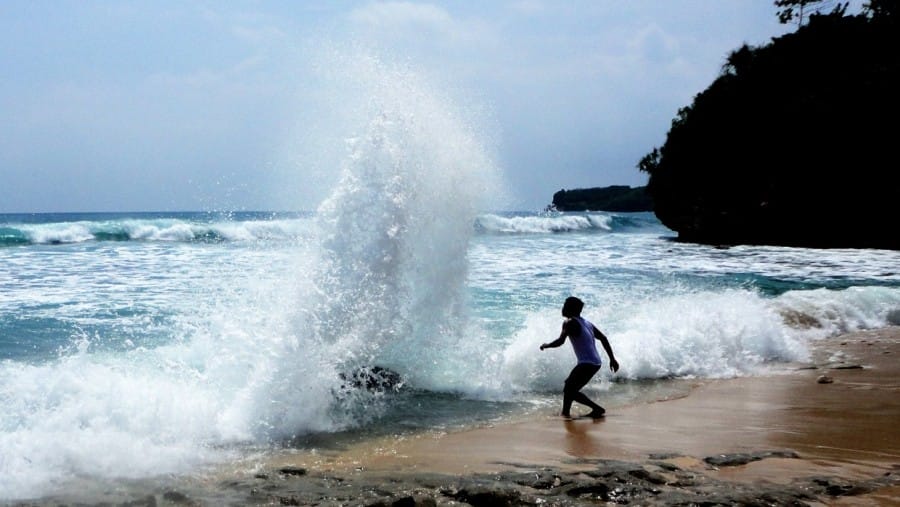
x=169, y=230
x=537, y=224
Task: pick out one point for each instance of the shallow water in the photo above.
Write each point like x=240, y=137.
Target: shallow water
x=185, y=351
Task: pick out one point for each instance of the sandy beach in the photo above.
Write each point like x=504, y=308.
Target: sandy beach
x=824, y=432
x=852, y=422
x=837, y=416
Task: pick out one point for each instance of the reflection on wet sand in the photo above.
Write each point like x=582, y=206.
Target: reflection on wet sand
x=580, y=440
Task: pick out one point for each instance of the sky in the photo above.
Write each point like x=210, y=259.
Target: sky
x=162, y=105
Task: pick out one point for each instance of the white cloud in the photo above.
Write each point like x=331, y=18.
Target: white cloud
x=407, y=20
x=528, y=7
x=403, y=15
x=259, y=34
x=653, y=44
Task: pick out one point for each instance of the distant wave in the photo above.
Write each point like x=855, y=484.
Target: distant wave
x=192, y=230
x=566, y=222
x=171, y=230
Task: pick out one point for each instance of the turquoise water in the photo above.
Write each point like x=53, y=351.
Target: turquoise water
x=186, y=338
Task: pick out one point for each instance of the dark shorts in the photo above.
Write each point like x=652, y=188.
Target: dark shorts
x=581, y=374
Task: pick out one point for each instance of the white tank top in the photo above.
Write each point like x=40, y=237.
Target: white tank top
x=583, y=343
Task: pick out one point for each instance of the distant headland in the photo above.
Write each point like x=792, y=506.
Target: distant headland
x=612, y=198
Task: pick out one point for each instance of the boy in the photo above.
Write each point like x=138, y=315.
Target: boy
x=582, y=334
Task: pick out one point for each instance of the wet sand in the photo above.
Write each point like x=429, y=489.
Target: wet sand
x=847, y=428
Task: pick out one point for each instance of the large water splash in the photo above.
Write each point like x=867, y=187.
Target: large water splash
x=396, y=230
x=387, y=282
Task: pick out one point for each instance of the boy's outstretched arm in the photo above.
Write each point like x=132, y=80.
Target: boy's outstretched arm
x=598, y=335
x=557, y=342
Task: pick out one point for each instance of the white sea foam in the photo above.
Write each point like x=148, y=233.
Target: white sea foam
x=87, y=415
x=713, y=335
x=153, y=410
x=166, y=230
x=543, y=224
x=59, y=233
x=719, y=334
x=821, y=313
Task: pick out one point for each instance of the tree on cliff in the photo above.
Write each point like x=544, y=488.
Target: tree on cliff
x=793, y=143
x=884, y=11
x=791, y=10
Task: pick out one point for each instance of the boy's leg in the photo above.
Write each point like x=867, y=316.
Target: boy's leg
x=579, y=377
x=582, y=398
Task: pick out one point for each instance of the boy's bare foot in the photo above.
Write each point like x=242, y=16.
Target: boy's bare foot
x=597, y=413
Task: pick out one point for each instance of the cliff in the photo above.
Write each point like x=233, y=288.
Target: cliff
x=612, y=198
x=793, y=143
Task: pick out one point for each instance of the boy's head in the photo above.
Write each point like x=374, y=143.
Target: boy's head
x=572, y=307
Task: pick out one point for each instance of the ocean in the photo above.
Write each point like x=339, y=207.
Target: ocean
x=135, y=346
x=142, y=344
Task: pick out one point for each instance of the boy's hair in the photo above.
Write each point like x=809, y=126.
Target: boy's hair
x=572, y=307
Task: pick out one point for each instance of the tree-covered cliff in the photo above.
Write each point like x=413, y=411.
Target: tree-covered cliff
x=794, y=143
x=612, y=198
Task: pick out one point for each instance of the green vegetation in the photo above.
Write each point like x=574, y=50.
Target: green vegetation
x=613, y=198
x=794, y=143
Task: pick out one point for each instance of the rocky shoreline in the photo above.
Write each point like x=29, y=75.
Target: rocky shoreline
x=654, y=482
x=659, y=480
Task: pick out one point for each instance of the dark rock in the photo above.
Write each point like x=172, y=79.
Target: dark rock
x=292, y=470
x=597, y=491
x=799, y=320
x=729, y=460
x=598, y=482
x=538, y=480
x=664, y=455
x=406, y=501
x=669, y=467
x=488, y=497
x=147, y=501
x=686, y=480
x=893, y=317
x=373, y=378
x=613, y=468
x=176, y=497
x=419, y=501
x=839, y=487
x=651, y=477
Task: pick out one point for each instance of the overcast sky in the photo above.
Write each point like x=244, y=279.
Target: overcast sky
x=199, y=105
